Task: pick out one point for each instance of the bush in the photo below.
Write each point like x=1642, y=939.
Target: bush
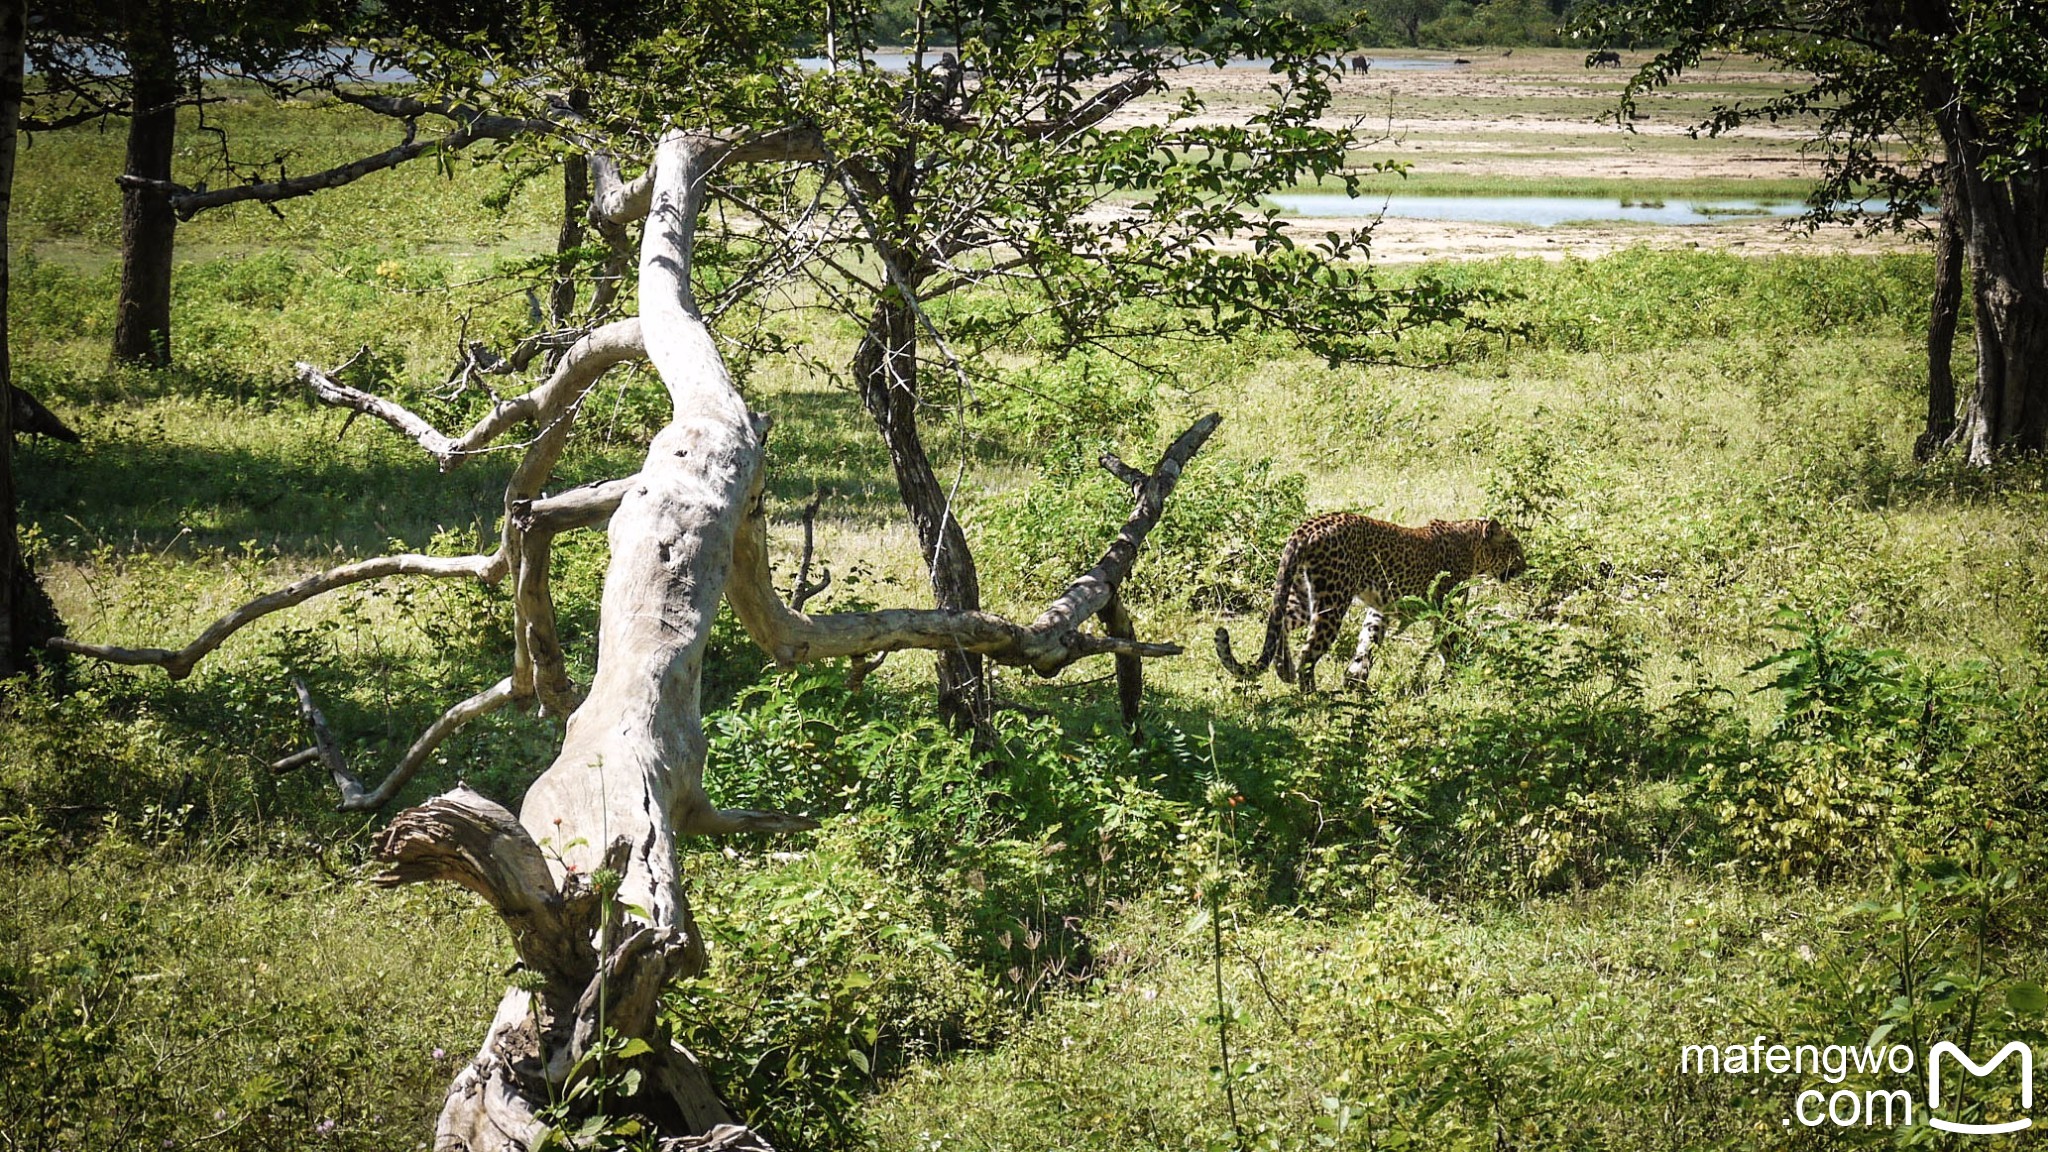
x=1219, y=538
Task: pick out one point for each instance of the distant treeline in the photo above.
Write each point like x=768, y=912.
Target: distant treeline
x=1375, y=23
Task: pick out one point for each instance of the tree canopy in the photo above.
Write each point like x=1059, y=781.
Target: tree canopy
x=1904, y=96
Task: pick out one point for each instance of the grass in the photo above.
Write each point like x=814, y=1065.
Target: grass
x=1628, y=802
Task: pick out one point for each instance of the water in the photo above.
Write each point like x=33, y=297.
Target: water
x=1537, y=211
x=361, y=64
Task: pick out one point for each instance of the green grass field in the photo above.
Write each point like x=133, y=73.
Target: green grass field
x=1755, y=748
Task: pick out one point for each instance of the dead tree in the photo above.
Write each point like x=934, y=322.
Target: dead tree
x=585, y=875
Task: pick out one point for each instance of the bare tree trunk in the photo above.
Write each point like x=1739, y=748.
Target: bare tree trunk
x=886, y=367
x=586, y=877
x=627, y=782
x=13, y=573
x=1943, y=313
x=142, y=324
x=2005, y=233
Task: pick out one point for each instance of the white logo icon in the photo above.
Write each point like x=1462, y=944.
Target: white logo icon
x=1975, y=1069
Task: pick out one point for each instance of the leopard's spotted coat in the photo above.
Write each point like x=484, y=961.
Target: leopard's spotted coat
x=1339, y=557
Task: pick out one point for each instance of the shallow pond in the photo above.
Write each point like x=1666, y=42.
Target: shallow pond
x=1540, y=211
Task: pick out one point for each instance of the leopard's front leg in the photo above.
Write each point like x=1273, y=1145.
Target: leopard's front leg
x=1368, y=635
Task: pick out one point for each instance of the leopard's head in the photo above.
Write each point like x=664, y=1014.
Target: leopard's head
x=1499, y=551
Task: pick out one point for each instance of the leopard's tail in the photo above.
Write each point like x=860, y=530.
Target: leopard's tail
x=1275, y=650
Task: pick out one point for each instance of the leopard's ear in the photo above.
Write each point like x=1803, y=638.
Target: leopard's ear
x=1489, y=530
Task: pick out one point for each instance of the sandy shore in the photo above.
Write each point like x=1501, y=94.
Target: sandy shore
x=1412, y=241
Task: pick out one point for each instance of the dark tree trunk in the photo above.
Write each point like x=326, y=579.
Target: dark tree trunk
x=142, y=325
x=886, y=367
x=575, y=206
x=2005, y=233
x=1941, y=324
x=13, y=574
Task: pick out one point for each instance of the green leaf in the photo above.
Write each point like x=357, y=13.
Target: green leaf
x=859, y=1060
x=632, y=1048
x=2027, y=997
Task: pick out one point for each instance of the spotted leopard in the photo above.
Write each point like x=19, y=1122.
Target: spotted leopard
x=1339, y=557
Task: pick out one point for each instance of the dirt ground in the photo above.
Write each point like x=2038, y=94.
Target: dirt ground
x=1397, y=241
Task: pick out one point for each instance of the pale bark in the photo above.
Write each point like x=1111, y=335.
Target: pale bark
x=180, y=662
x=585, y=876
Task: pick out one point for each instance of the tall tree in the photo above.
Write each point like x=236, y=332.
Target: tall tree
x=13, y=573
x=600, y=919
x=1879, y=74
x=1407, y=16
x=1058, y=160
x=144, y=61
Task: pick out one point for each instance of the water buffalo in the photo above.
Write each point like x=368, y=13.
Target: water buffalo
x=1605, y=58
x=1360, y=65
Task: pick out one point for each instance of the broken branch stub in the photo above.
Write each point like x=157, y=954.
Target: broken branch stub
x=1047, y=645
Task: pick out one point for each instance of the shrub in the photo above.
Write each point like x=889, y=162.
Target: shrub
x=1215, y=547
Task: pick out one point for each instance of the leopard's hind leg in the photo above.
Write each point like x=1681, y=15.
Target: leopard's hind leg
x=1323, y=632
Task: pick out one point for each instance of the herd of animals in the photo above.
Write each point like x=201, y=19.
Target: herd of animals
x=1337, y=559
x=1604, y=58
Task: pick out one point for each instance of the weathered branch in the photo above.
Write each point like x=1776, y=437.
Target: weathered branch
x=584, y=507
x=1130, y=671
x=1086, y=595
x=616, y=200
x=1091, y=111
x=579, y=370
x=180, y=662
x=326, y=747
x=465, y=838
x=804, y=590
x=70, y=119
x=613, y=198
x=189, y=202
x=329, y=390
x=327, y=751
x=1048, y=644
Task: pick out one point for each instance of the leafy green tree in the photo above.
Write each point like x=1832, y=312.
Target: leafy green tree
x=1908, y=99
x=1055, y=159
x=143, y=61
x=1406, y=16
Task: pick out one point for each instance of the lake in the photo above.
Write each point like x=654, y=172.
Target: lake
x=1536, y=211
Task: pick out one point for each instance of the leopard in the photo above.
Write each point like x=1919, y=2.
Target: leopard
x=1340, y=557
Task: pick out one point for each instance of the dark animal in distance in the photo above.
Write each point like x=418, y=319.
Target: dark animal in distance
x=1340, y=557
x=1460, y=60
x=1605, y=58
x=1361, y=64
